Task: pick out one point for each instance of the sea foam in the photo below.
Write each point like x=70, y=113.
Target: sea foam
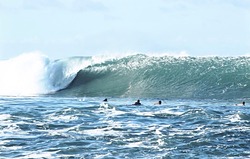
x=34, y=74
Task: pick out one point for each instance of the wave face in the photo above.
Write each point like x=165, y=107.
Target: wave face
x=164, y=77
x=130, y=76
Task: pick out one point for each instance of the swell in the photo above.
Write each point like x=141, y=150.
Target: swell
x=164, y=77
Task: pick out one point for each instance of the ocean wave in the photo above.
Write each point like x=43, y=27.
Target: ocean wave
x=127, y=76
x=164, y=77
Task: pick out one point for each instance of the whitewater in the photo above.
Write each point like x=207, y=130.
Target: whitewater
x=55, y=109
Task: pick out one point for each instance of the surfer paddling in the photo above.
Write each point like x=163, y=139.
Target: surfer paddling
x=105, y=100
x=241, y=104
x=104, y=104
x=138, y=102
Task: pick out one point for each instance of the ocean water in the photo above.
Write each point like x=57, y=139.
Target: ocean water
x=53, y=127
x=55, y=109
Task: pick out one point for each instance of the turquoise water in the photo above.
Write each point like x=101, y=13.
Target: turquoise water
x=60, y=127
x=164, y=77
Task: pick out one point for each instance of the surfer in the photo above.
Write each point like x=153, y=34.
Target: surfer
x=158, y=103
x=137, y=102
x=241, y=104
x=105, y=100
x=104, y=104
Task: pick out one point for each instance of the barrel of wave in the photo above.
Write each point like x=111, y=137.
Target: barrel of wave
x=35, y=74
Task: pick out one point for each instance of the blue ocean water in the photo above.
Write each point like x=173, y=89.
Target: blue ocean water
x=54, y=127
x=55, y=109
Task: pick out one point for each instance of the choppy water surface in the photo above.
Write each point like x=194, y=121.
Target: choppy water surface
x=51, y=127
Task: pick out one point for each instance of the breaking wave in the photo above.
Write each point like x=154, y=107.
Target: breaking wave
x=129, y=76
x=35, y=74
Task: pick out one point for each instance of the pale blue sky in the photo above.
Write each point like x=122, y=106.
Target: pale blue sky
x=64, y=28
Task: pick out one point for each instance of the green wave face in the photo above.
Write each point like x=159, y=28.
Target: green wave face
x=164, y=77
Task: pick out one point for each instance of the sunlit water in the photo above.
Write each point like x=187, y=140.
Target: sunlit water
x=51, y=127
